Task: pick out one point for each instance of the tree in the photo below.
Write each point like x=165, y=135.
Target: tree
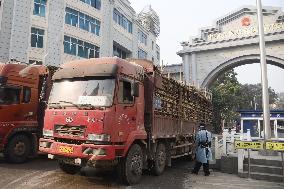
x=251, y=97
x=229, y=96
x=225, y=91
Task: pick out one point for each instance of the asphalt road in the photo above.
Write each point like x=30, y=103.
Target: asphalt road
x=43, y=173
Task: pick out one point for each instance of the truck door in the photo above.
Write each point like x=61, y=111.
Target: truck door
x=16, y=104
x=126, y=110
x=29, y=104
x=10, y=98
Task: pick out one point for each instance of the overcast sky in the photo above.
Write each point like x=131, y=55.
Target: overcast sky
x=181, y=19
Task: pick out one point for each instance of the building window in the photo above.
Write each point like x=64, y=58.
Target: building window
x=37, y=37
x=152, y=45
x=119, y=52
x=122, y=20
x=83, y=21
x=142, y=54
x=94, y=3
x=80, y=48
x=158, y=55
x=142, y=37
x=39, y=7
x=37, y=62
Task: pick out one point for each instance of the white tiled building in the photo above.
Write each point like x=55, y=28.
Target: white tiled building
x=57, y=31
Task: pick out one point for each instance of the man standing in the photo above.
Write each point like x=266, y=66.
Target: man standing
x=203, y=151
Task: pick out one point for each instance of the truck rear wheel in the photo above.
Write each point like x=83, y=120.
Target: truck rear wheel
x=18, y=149
x=68, y=168
x=160, y=159
x=130, y=168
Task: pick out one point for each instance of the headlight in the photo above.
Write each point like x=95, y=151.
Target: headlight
x=48, y=133
x=101, y=138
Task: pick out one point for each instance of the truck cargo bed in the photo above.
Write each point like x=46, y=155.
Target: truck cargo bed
x=173, y=109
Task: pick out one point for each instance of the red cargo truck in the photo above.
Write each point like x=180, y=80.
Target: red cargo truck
x=113, y=112
x=22, y=96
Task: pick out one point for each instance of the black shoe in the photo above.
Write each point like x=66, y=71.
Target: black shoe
x=193, y=172
x=206, y=174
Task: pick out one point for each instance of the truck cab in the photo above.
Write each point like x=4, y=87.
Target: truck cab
x=95, y=112
x=20, y=111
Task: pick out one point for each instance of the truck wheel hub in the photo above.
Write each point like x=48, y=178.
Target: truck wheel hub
x=20, y=148
x=161, y=158
x=136, y=165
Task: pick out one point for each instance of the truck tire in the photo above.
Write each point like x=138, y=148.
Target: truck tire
x=130, y=168
x=18, y=149
x=160, y=160
x=68, y=168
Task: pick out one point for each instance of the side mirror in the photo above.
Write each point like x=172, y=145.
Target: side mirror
x=135, y=89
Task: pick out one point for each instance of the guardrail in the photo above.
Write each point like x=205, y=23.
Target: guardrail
x=224, y=144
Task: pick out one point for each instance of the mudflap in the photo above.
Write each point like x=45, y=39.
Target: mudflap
x=168, y=150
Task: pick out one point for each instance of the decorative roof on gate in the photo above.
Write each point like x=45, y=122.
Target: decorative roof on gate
x=239, y=25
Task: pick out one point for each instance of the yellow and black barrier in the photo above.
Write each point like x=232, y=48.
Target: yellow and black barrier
x=254, y=145
x=260, y=145
x=276, y=146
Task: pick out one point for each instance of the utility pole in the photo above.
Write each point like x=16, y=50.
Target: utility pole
x=264, y=81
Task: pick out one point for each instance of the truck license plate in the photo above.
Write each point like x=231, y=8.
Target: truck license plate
x=66, y=149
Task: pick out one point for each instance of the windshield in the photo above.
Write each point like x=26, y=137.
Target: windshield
x=9, y=95
x=96, y=92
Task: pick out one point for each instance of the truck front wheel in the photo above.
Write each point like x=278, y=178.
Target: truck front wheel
x=18, y=149
x=68, y=168
x=130, y=168
x=160, y=159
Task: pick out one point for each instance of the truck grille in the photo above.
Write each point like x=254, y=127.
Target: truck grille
x=74, y=131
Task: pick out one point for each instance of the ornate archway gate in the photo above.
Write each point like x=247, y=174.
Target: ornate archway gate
x=231, y=43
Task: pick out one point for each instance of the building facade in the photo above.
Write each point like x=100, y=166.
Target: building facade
x=174, y=71
x=53, y=32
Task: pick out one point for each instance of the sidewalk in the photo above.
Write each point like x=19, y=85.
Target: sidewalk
x=219, y=180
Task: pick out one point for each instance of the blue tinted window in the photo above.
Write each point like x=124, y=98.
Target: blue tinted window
x=95, y=26
x=94, y=3
x=142, y=54
x=80, y=48
x=130, y=27
x=71, y=17
x=39, y=7
x=83, y=21
x=122, y=21
x=142, y=37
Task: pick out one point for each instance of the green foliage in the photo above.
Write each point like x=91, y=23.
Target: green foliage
x=226, y=92
x=253, y=96
x=229, y=96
